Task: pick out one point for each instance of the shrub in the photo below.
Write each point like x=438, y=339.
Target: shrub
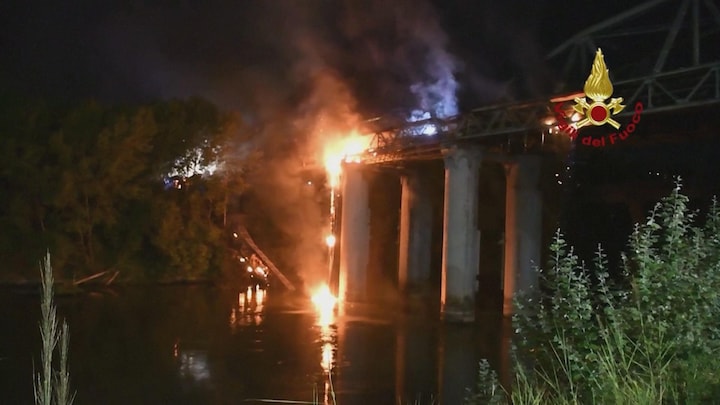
x=644, y=338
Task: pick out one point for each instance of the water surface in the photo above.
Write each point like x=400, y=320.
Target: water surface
x=234, y=345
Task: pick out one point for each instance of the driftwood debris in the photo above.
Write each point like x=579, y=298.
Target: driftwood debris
x=88, y=278
x=243, y=233
x=112, y=278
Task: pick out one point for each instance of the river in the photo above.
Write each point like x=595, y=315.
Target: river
x=234, y=345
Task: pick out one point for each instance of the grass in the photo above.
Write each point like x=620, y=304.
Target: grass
x=52, y=387
x=626, y=374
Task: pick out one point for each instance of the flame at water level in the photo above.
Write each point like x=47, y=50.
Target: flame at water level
x=325, y=303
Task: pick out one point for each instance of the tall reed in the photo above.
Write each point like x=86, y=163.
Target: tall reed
x=52, y=387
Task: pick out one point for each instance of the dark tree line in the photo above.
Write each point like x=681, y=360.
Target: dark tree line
x=90, y=184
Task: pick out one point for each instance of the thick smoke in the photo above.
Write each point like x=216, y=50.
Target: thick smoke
x=406, y=39
x=330, y=107
x=301, y=74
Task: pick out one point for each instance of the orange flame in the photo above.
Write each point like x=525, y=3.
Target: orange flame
x=346, y=149
x=325, y=303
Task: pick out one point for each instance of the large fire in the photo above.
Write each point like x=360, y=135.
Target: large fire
x=346, y=149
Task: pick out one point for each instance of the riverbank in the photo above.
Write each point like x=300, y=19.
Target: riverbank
x=69, y=287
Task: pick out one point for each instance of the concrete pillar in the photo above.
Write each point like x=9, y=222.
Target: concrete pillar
x=461, y=237
x=354, y=235
x=523, y=227
x=415, y=232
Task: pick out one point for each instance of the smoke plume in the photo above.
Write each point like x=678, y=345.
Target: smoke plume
x=301, y=74
x=403, y=38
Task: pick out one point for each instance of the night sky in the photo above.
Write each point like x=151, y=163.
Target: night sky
x=260, y=55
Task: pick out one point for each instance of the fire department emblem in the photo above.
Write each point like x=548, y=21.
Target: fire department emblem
x=598, y=88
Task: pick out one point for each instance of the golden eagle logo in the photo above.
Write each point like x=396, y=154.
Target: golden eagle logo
x=598, y=88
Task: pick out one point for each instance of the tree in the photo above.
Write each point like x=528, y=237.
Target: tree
x=87, y=182
x=101, y=157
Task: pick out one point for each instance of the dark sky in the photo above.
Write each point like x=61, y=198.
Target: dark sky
x=247, y=51
x=256, y=55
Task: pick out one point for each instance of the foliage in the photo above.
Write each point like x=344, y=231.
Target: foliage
x=642, y=339
x=675, y=269
x=562, y=327
x=488, y=390
x=88, y=183
x=49, y=381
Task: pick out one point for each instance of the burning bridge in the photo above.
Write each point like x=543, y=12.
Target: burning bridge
x=662, y=53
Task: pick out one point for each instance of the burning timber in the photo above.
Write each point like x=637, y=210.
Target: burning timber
x=243, y=233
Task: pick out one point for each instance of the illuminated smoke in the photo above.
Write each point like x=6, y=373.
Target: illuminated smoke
x=436, y=89
x=437, y=95
x=326, y=115
x=405, y=37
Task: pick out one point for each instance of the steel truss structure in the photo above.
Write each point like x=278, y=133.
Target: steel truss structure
x=669, y=66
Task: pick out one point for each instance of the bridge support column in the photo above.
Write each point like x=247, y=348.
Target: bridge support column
x=415, y=233
x=461, y=237
x=523, y=227
x=354, y=235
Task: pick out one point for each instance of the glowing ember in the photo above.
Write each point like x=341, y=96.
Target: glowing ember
x=330, y=240
x=325, y=303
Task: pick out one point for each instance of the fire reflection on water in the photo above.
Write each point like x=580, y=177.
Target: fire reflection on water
x=249, y=309
x=328, y=356
x=325, y=304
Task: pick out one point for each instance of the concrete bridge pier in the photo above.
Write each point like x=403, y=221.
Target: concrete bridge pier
x=461, y=236
x=355, y=234
x=523, y=227
x=415, y=234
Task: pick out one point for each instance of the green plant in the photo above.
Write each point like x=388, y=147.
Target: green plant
x=488, y=389
x=48, y=381
x=556, y=328
x=674, y=265
x=582, y=338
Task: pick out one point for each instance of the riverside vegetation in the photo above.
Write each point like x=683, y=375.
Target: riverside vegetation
x=646, y=336
x=87, y=182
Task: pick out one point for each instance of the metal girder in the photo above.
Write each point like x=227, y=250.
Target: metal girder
x=502, y=119
x=660, y=87
x=682, y=88
x=585, y=36
x=642, y=40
